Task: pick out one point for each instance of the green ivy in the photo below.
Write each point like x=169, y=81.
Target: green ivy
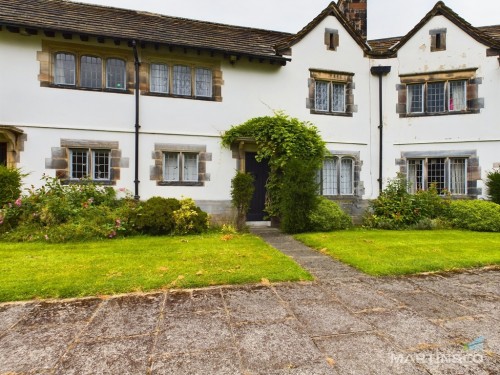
x=279, y=139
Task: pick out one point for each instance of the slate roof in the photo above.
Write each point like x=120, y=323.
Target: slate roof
x=124, y=24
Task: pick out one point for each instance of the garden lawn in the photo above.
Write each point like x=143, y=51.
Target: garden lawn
x=41, y=270
x=383, y=252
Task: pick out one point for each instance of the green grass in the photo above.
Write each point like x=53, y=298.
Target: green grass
x=40, y=270
x=383, y=252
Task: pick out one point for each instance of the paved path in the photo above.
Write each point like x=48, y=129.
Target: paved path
x=344, y=323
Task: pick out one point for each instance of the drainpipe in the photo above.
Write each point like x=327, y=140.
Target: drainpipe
x=380, y=71
x=137, y=64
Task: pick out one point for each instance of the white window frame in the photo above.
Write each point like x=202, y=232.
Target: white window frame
x=155, y=71
x=447, y=174
x=334, y=183
x=331, y=96
x=203, y=88
x=90, y=164
x=463, y=105
x=182, y=80
x=63, y=69
x=447, y=105
x=180, y=175
x=410, y=97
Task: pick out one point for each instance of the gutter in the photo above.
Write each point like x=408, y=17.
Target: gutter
x=137, y=64
x=380, y=71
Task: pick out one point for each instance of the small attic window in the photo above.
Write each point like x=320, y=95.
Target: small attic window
x=331, y=39
x=438, y=40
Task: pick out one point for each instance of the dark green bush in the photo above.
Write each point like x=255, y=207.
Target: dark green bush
x=156, y=216
x=10, y=185
x=242, y=189
x=299, y=198
x=476, y=215
x=493, y=184
x=328, y=216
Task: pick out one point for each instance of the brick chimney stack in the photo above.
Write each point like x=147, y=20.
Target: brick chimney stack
x=356, y=13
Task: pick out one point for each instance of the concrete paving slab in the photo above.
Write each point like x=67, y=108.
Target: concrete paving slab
x=320, y=367
x=408, y=330
x=432, y=306
x=349, y=355
x=298, y=292
x=274, y=346
x=254, y=304
x=126, y=316
x=35, y=348
x=359, y=296
x=112, y=356
x=194, y=332
x=61, y=312
x=192, y=301
x=12, y=313
x=323, y=318
x=220, y=362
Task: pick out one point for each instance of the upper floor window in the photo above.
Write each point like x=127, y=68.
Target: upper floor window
x=331, y=93
x=87, y=163
x=159, y=78
x=88, y=71
x=439, y=93
x=115, y=74
x=437, y=97
x=438, y=40
x=91, y=72
x=64, y=69
x=337, y=176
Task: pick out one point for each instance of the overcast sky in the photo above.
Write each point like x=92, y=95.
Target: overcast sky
x=386, y=18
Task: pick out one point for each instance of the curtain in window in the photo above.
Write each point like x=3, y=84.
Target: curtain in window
x=115, y=74
x=182, y=80
x=190, y=167
x=171, y=167
x=159, y=78
x=91, y=72
x=338, y=98
x=329, y=183
x=458, y=173
x=346, y=176
x=101, y=165
x=414, y=99
x=203, y=82
x=415, y=178
x=457, y=96
x=321, y=96
x=64, y=69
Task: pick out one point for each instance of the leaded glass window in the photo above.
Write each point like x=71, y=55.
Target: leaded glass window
x=159, y=81
x=182, y=80
x=64, y=69
x=91, y=72
x=115, y=74
x=203, y=82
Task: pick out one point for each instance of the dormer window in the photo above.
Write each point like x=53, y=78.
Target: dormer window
x=438, y=40
x=331, y=39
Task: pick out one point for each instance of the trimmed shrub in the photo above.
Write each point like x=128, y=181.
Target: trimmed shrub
x=156, y=216
x=189, y=218
x=298, y=196
x=10, y=185
x=242, y=189
x=476, y=215
x=328, y=216
x=493, y=184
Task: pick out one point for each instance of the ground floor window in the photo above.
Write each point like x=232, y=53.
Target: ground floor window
x=87, y=163
x=447, y=174
x=180, y=166
x=337, y=176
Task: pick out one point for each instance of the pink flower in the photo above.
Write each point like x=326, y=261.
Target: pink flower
x=118, y=222
x=18, y=202
x=112, y=234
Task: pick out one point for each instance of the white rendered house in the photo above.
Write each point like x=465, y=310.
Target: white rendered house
x=139, y=101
